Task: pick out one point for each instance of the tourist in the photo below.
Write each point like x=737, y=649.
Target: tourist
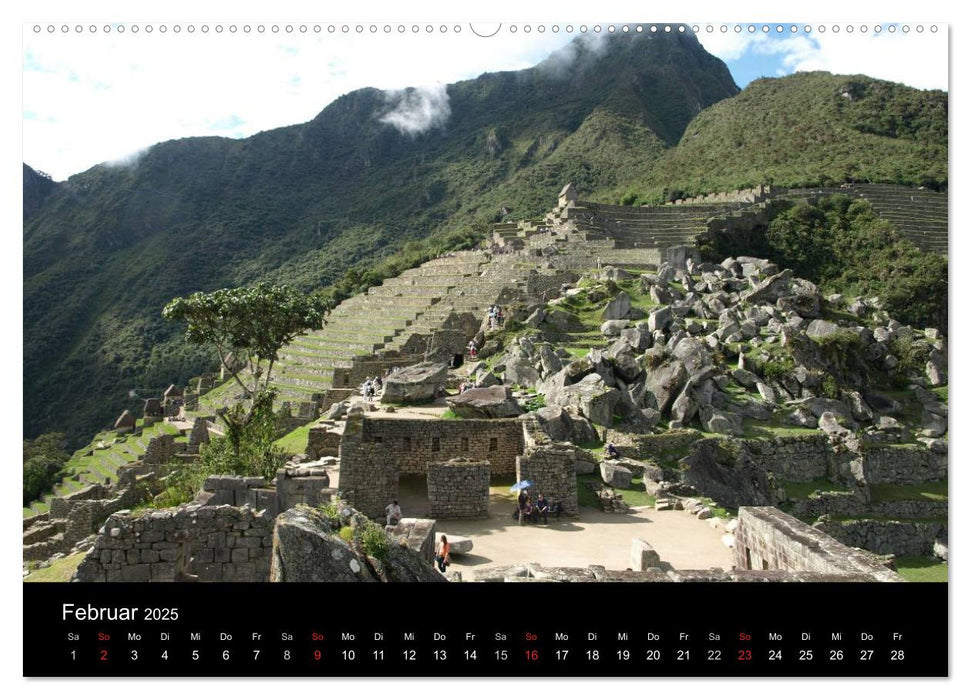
x=378, y=383
x=542, y=509
x=500, y=317
x=611, y=452
x=441, y=556
x=473, y=352
x=526, y=512
x=393, y=511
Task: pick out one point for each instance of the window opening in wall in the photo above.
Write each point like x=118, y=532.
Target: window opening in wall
x=407, y=445
x=465, y=444
x=493, y=444
x=436, y=444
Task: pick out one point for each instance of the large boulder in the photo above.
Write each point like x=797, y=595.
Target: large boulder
x=617, y=308
x=665, y=380
x=486, y=380
x=592, y=398
x=565, y=425
x=419, y=382
x=821, y=329
x=520, y=371
x=621, y=357
x=639, y=338
x=548, y=359
x=307, y=548
x=616, y=475
x=612, y=329
x=714, y=420
x=487, y=402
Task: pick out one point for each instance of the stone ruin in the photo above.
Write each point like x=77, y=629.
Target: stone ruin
x=459, y=488
x=73, y=517
x=189, y=543
x=125, y=423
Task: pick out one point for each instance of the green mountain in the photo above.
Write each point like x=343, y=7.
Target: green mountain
x=809, y=129
x=105, y=250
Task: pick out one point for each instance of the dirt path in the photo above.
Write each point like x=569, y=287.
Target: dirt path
x=681, y=540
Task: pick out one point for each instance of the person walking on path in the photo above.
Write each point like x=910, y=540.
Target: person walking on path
x=442, y=555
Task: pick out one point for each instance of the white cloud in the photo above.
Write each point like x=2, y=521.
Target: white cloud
x=93, y=98
x=416, y=110
x=916, y=59
x=728, y=45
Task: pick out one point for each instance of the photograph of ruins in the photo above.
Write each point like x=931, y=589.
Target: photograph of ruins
x=610, y=317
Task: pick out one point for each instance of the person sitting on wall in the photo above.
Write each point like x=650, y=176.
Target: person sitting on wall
x=611, y=452
x=393, y=511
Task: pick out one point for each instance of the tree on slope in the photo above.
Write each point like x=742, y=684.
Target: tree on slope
x=247, y=324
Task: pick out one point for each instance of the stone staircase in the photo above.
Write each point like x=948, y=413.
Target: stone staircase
x=382, y=319
x=646, y=227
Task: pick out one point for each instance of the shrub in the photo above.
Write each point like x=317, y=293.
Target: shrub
x=374, y=541
x=41, y=472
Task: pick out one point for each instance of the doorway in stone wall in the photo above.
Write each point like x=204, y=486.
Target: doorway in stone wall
x=413, y=495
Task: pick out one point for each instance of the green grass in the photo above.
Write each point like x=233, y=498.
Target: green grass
x=801, y=490
x=927, y=491
x=718, y=511
x=634, y=496
x=60, y=571
x=941, y=393
x=922, y=569
x=576, y=353
x=449, y=414
x=756, y=429
x=101, y=464
x=295, y=442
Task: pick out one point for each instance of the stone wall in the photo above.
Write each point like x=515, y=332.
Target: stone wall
x=415, y=443
x=310, y=485
x=323, y=441
x=74, y=517
x=792, y=458
x=204, y=543
x=903, y=464
x=294, y=485
x=550, y=468
x=653, y=446
x=459, y=489
x=852, y=505
x=160, y=450
x=766, y=539
x=888, y=536
x=369, y=470
x=366, y=366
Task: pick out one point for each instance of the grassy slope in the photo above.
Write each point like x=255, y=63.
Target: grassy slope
x=804, y=130
x=101, y=464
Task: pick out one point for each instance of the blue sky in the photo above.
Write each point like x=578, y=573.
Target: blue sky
x=92, y=97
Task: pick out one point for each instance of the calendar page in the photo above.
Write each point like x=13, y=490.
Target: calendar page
x=414, y=348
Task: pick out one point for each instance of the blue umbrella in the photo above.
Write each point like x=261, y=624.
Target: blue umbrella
x=520, y=485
